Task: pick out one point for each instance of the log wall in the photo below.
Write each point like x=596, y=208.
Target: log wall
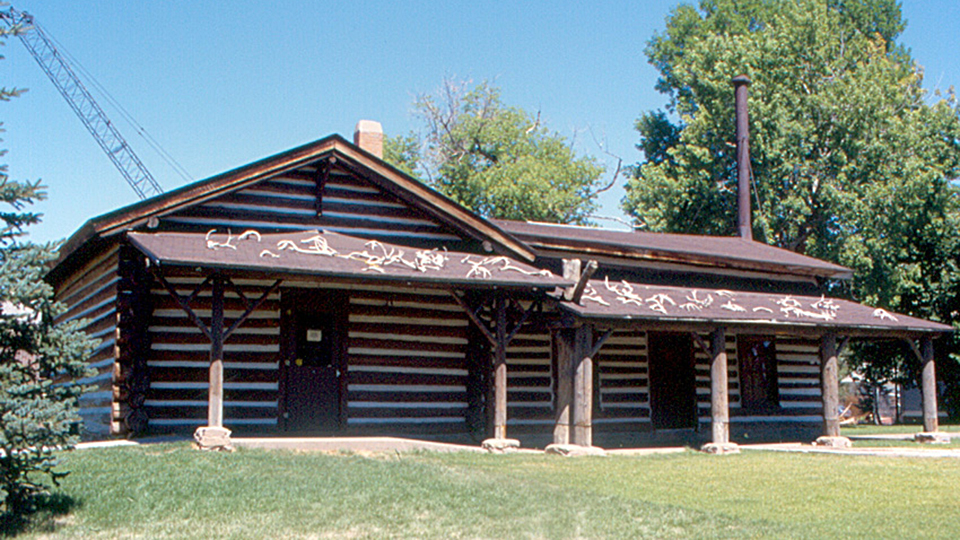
x=622, y=385
x=90, y=295
x=623, y=393
x=407, y=355
x=179, y=360
x=530, y=383
x=406, y=367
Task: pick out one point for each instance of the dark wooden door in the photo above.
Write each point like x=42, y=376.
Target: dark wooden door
x=313, y=367
x=758, y=374
x=673, y=382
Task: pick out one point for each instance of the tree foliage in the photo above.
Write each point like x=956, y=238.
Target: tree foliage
x=38, y=413
x=852, y=160
x=497, y=160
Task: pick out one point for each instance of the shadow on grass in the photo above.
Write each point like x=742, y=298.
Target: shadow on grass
x=45, y=516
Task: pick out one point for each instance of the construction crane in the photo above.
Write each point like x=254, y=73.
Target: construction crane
x=43, y=50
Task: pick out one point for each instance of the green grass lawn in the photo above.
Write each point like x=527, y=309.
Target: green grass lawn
x=173, y=491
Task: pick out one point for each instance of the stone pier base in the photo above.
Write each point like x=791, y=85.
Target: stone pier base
x=932, y=437
x=833, y=442
x=574, y=450
x=500, y=446
x=720, y=448
x=213, y=438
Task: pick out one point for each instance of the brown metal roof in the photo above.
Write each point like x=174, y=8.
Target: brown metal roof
x=609, y=301
x=722, y=251
x=325, y=253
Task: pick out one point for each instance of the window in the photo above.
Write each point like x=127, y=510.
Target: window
x=759, y=390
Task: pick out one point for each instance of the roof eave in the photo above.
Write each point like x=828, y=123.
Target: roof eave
x=624, y=252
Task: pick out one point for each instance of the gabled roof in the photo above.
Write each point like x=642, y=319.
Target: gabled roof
x=621, y=301
x=378, y=172
x=688, y=249
x=325, y=253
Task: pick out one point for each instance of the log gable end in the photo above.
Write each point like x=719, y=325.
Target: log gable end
x=324, y=196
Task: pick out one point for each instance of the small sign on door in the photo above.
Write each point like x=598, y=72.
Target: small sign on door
x=314, y=336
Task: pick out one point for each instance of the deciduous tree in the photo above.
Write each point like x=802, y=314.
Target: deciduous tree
x=852, y=160
x=497, y=160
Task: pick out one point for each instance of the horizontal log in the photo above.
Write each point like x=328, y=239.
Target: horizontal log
x=530, y=413
x=612, y=412
x=90, y=271
x=96, y=293
x=203, y=305
x=419, y=412
x=191, y=338
x=229, y=413
x=229, y=394
x=405, y=397
x=536, y=395
x=405, y=347
x=230, y=356
x=403, y=378
x=639, y=397
x=361, y=361
x=541, y=382
x=203, y=375
x=424, y=312
x=412, y=331
x=402, y=429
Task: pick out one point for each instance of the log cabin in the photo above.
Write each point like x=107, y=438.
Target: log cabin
x=322, y=292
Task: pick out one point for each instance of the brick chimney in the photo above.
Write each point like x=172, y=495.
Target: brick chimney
x=369, y=136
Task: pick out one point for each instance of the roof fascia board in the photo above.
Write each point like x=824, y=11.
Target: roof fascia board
x=758, y=327
x=691, y=260
x=638, y=263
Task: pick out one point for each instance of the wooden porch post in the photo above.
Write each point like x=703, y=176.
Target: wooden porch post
x=931, y=422
x=719, y=393
x=583, y=387
x=830, y=393
x=719, y=388
x=500, y=371
x=215, y=392
x=565, y=352
x=829, y=385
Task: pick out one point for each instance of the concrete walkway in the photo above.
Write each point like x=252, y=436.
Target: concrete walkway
x=897, y=436
x=401, y=445
x=348, y=444
x=924, y=451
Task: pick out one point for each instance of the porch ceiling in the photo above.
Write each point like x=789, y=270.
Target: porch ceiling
x=623, y=301
x=325, y=253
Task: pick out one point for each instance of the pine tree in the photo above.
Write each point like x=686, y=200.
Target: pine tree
x=39, y=360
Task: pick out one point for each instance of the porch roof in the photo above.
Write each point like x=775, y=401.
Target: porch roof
x=622, y=301
x=326, y=253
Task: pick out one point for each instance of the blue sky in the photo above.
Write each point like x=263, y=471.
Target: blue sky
x=221, y=84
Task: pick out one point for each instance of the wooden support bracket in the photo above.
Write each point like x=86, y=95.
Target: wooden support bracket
x=704, y=346
x=184, y=303
x=600, y=341
x=250, y=306
x=474, y=316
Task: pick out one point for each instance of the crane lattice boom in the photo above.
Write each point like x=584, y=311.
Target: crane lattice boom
x=82, y=103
